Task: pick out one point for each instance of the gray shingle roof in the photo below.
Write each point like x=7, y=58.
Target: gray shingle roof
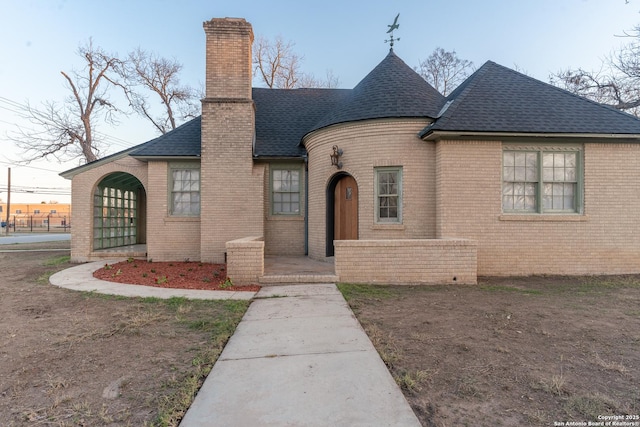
x=498, y=99
x=183, y=141
x=282, y=119
x=493, y=99
x=392, y=89
x=284, y=116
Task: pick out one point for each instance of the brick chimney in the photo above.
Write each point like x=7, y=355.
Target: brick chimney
x=229, y=62
x=231, y=194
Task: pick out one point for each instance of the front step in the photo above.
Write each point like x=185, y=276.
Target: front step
x=297, y=278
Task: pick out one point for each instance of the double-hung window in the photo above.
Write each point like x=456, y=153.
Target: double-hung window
x=542, y=180
x=285, y=191
x=388, y=184
x=184, y=182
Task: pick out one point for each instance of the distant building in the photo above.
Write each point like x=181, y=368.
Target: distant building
x=37, y=215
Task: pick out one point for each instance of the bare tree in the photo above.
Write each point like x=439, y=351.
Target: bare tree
x=278, y=66
x=331, y=81
x=444, y=70
x=616, y=84
x=66, y=131
x=276, y=63
x=158, y=76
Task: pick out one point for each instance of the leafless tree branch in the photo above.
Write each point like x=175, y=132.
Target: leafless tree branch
x=444, y=70
x=146, y=72
x=278, y=66
x=65, y=130
x=616, y=84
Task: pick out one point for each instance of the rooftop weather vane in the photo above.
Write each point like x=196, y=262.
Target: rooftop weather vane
x=392, y=27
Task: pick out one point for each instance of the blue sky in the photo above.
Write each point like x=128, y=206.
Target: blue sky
x=39, y=38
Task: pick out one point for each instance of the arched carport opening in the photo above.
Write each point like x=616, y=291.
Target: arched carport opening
x=119, y=211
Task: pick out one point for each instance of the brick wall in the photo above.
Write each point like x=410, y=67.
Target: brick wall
x=605, y=240
x=366, y=145
x=284, y=234
x=169, y=238
x=415, y=261
x=82, y=188
x=245, y=260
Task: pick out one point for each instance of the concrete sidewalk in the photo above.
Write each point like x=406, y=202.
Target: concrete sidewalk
x=299, y=358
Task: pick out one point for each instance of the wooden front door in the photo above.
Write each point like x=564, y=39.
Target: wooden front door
x=346, y=209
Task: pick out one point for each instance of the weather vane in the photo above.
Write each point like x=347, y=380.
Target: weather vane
x=392, y=27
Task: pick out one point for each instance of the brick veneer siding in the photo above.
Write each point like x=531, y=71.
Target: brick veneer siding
x=604, y=240
x=416, y=261
x=366, y=145
x=284, y=234
x=83, y=186
x=170, y=238
x=245, y=260
x=231, y=185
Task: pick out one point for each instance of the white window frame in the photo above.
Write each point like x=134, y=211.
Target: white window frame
x=378, y=171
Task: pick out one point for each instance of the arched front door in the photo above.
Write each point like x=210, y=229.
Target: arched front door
x=342, y=210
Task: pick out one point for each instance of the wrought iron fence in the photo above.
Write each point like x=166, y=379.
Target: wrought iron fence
x=46, y=222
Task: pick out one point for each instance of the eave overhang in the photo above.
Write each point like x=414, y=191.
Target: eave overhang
x=69, y=174
x=436, y=135
x=164, y=158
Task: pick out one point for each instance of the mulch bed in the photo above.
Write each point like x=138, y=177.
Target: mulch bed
x=179, y=275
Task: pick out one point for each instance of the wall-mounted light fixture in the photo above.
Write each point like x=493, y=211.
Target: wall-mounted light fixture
x=335, y=157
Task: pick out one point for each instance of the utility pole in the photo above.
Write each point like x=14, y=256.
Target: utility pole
x=6, y=226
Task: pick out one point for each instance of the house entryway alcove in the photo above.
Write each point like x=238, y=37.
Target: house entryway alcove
x=342, y=210
x=119, y=216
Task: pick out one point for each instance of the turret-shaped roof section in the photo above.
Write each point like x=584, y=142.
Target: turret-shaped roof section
x=496, y=99
x=391, y=90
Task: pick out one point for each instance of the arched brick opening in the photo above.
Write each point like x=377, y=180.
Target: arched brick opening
x=119, y=211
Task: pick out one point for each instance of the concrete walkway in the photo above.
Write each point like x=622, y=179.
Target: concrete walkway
x=299, y=358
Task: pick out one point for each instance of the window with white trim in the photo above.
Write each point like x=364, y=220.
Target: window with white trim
x=184, y=186
x=285, y=191
x=542, y=180
x=388, y=190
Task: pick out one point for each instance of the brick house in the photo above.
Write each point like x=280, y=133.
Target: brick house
x=390, y=180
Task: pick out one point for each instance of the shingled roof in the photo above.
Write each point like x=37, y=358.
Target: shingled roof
x=391, y=90
x=183, y=141
x=284, y=116
x=496, y=99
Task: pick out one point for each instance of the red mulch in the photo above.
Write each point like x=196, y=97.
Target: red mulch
x=180, y=275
